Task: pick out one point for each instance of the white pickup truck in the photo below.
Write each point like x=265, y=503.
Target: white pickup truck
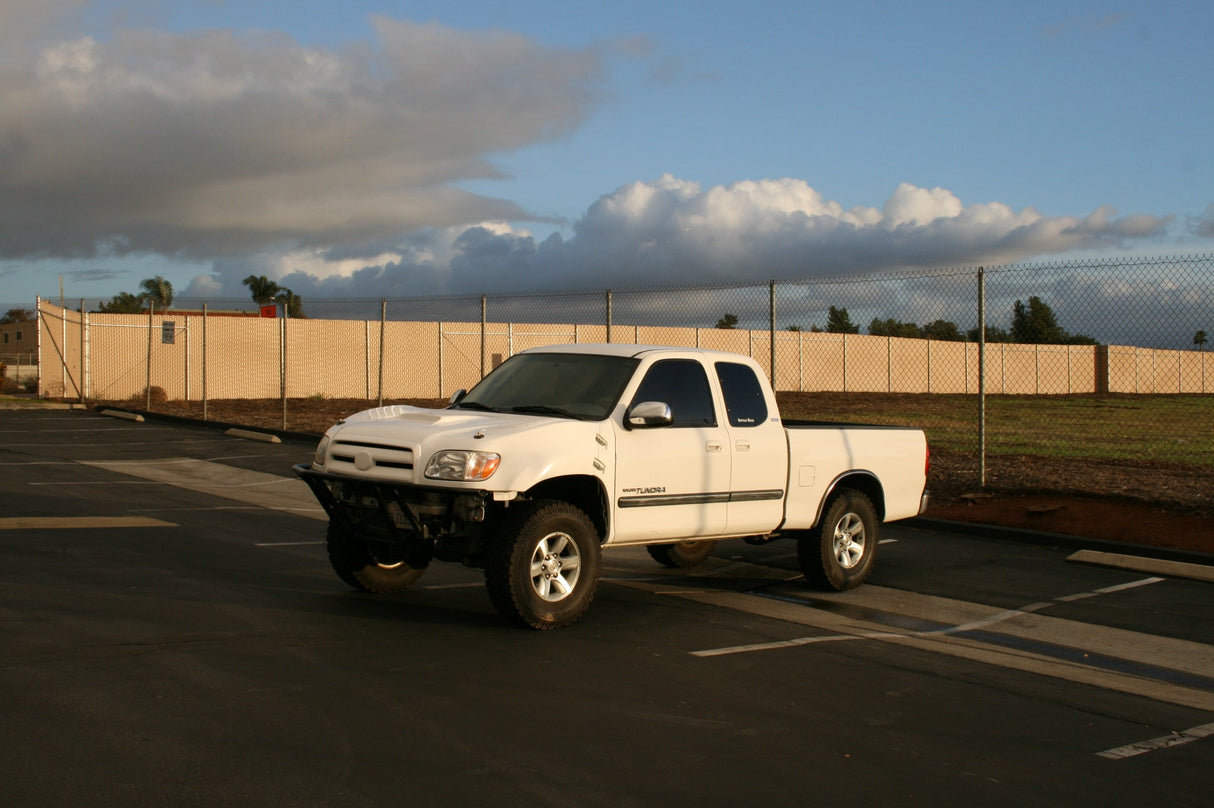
x=566, y=450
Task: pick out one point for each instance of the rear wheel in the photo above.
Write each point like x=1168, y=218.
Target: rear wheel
x=366, y=565
x=543, y=567
x=839, y=553
x=683, y=554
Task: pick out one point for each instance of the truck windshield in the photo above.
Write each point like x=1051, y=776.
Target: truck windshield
x=581, y=386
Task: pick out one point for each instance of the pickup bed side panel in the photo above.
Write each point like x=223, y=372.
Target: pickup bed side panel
x=818, y=455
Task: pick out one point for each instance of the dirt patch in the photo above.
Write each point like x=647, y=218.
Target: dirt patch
x=1136, y=523
x=1139, y=502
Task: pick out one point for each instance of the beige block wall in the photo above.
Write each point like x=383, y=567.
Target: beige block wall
x=242, y=357
x=906, y=356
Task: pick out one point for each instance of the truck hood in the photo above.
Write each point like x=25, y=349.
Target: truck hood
x=402, y=425
x=393, y=444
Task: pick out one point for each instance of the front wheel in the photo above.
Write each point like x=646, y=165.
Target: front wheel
x=368, y=566
x=681, y=555
x=543, y=567
x=839, y=554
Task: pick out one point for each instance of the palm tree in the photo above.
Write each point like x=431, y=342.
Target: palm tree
x=1199, y=339
x=292, y=304
x=157, y=292
x=262, y=288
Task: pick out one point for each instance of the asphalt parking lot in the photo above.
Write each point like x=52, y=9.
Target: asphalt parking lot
x=172, y=634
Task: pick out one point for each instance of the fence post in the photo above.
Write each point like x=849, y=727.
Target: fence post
x=440, y=358
x=148, y=389
x=63, y=372
x=366, y=360
x=484, y=308
x=981, y=378
x=282, y=353
x=383, y=319
x=38, y=340
x=83, y=354
x=186, y=370
x=204, y=361
x=771, y=294
x=608, y=315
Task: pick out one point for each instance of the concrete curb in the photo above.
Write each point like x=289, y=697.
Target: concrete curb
x=130, y=416
x=1066, y=540
x=265, y=437
x=1155, y=566
x=270, y=435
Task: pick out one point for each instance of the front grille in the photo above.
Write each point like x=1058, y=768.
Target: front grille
x=365, y=445
x=383, y=456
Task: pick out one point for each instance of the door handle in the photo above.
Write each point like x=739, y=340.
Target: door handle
x=712, y=446
x=743, y=446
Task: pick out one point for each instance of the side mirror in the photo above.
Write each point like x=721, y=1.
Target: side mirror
x=457, y=397
x=649, y=414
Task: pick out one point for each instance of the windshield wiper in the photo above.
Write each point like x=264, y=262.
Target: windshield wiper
x=474, y=405
x=544, y=409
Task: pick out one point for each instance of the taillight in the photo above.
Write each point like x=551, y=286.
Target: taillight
x=927, y=459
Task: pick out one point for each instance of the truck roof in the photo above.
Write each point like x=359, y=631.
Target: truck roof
x=628, y=349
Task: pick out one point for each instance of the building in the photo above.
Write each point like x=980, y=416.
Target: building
x=19, y=350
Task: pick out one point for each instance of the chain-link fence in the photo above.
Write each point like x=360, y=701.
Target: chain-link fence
x=1073, y=364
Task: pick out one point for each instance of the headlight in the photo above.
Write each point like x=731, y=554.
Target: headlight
x=321, y=449
x=454, y=464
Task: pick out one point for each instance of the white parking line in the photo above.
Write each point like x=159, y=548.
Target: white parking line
x=984, y=622
x=1155, y=744
x=270, y=491
x=161, y=443
x=78, y=431
x=1027, y=639
x=1108, y=590
x=101, y=482
x=42, y=463
x=78, y=522
x=286, y=543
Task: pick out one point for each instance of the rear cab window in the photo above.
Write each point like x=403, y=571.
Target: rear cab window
x=745, y=404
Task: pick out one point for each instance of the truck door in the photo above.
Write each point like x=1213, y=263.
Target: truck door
x=759, y=452
x=673, y=481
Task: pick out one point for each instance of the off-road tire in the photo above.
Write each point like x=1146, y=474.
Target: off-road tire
x=839, y=553
x=367, y=566
x=542, y=568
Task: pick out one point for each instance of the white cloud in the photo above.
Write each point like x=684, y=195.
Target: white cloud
x=218, y=143
x=919, y=206
x=673, y=232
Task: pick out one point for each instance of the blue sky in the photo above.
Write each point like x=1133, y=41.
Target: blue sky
x=414, y=148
